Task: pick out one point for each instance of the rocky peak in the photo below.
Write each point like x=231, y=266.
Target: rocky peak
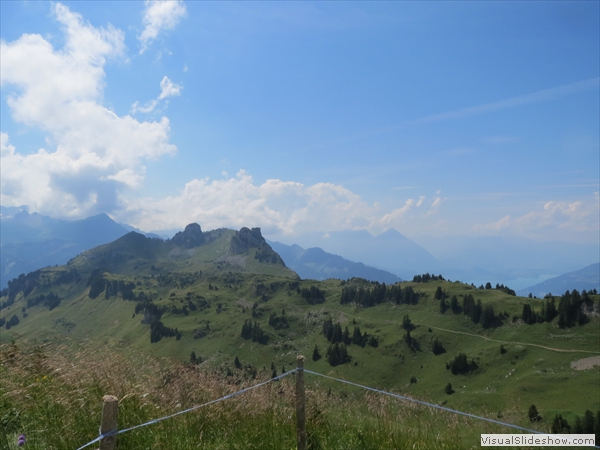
x=191, y=237
x=247, y=238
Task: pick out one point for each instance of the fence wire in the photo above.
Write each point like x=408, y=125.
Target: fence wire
x=235, y=394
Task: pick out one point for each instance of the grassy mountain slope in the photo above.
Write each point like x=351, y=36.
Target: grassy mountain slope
x=206, y=293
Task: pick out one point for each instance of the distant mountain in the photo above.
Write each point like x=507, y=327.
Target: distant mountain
x=497, y=258
x=32, y=241
x=316, y=264
x=389, y=251
x=587, y=278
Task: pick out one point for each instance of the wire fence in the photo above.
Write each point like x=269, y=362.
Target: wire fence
x=193, y=408
x=300, y=369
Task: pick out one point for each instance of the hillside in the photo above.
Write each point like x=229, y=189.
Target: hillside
x=587, y=278
x=316, y=264
x=224, y=294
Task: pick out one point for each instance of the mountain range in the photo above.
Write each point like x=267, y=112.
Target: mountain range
x=316, y=264
x=31, y=241
x=587, y=279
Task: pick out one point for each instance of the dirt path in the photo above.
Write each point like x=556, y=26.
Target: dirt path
x=513, y=342
x=486, y=338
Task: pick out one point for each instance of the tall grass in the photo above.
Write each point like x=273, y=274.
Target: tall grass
x=53, y=395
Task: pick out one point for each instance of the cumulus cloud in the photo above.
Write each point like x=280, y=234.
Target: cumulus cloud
x=167, y=89
x=555, y=219
x=279, y=207
x=95, y=153
x=158, y=16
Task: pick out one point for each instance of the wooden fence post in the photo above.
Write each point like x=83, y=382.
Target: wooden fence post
x=300, y=406
x=110, y=405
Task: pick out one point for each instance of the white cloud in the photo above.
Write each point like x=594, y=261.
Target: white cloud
x=160, y=15
x=95, y=154
x=556, y=219
x=167, y=89
x=279, y=207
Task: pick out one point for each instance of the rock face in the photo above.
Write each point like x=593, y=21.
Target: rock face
x=247, y=238
x=191, y=237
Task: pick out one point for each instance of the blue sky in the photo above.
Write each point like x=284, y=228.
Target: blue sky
x=433, y=118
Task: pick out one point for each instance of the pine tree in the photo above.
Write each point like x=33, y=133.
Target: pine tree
x=237, y=363
x=534, y=415
x=437, y=347
x=439, y=294
x=560, y=425
x=588, y=422
x=193, y=358
x=346, y=337
x=454, y=304
x=373, y=341
x=443, y=305
x=316, y=355
x=448, y=389
x=407, y=324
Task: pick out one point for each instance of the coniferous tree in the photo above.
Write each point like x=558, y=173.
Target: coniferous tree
x=560, y=425
x=237, y=363
x=454, y=305
x=346, y=337
x=588, y=422
x=443, y=305
x=373, y=341
x=534, y=415
x=578, y=427
x=476, y=312
x=439, y=294
x=437, y=347
x=488, y=317
x=407, y=324
x=316, y=355
x=460, y=365
x=468, y=304
x=448, y=389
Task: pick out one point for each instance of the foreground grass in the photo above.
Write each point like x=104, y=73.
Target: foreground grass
x=53, y=395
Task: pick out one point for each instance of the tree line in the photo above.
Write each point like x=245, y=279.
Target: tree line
x=571, y=310
x=378, y=294
x=334, y=334
x=252, y=330
x=485, y=315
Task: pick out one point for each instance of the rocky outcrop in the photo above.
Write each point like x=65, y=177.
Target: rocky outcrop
x=247, y=238
x=191, y=237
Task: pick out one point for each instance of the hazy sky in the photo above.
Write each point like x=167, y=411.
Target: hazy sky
x=431, y=118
